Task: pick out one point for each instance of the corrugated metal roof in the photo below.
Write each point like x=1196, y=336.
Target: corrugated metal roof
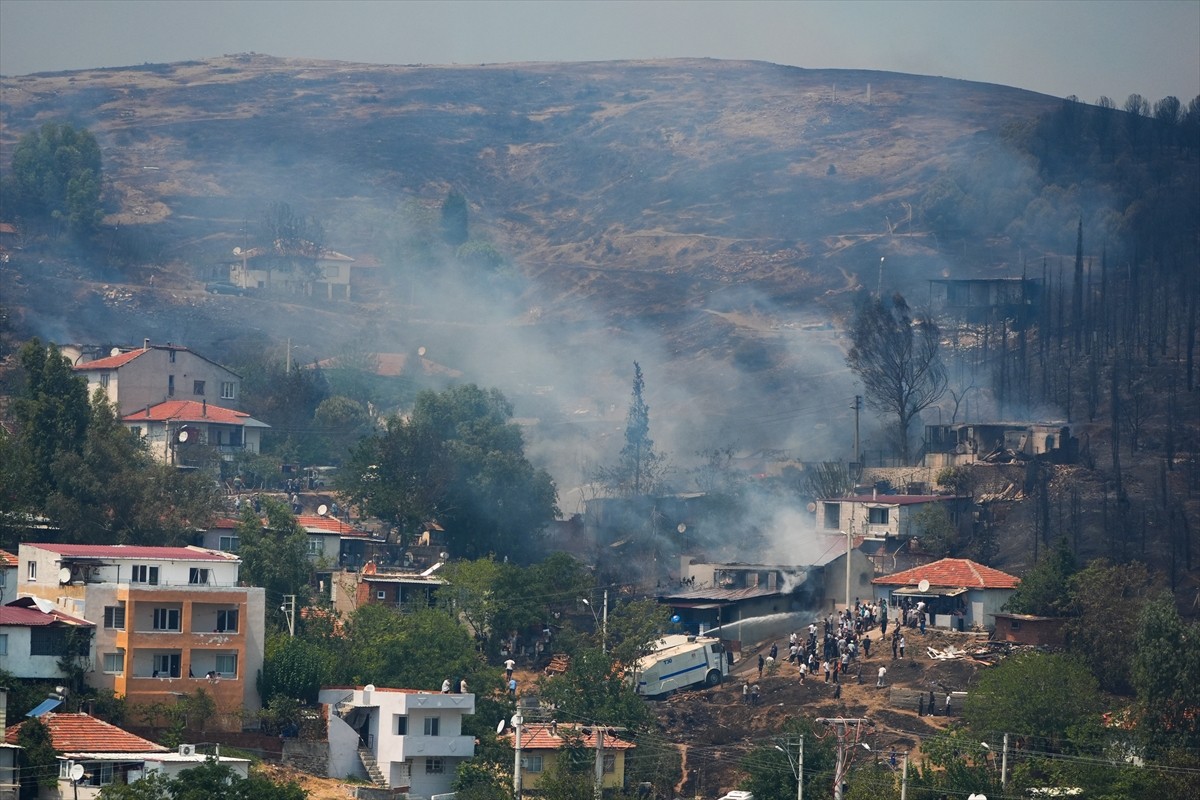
x=899, y=499
x=721, y=595
x=116, y=551
x=31, y=617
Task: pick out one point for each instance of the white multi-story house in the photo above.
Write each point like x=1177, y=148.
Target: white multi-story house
x=169, y=620
x=403, y=739
x=880, y=516
x=153, y=374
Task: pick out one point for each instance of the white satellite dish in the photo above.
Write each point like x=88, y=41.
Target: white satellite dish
x=923, y=586
x=681, y=527
x=812, y=507
x=77, y=772
x=421, y=351
x=182, y=437
x=500, y=726
x=64, y=575
x=237, y=251
x=322, y=510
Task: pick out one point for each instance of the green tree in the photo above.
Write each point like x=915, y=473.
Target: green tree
x=39, y=759
x=1038, y=694
x=634, y=628
x=1046, y=589
x=417, y=647
x=595, y=688
x=896, y=357
x=639, y=469
x=294, y=667
x=274, y=557
x=1107, y=601
x=455, y=227
x=205, y=782
x=939, y=535
x=459, y=459
x=343, y=423
x=1166, y=671
x=770, y=774
x=57, y=176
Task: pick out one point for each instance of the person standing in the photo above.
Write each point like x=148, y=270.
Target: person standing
x=754, y=694
x=895, y=647
x=774, y=650
x=882, y=673
x=745, y=693
x=446, y=686
x=508, y=667
x=761, y=663
x=512, y=686
x=902, y=647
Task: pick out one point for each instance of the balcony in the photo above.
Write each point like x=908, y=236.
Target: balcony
x=412, y=746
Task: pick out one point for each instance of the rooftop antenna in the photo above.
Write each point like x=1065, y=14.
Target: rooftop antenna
x=878, y=288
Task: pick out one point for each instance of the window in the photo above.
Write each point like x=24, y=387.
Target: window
x=171, y=383
x=64, y=769
x=610, y=763
x=381, y=595
x=532, y=763
x=3, y=644
x=227, y=620
x=432, y=725
x=104, y=379
x=198, y=388
x=401, y=725
x=228, y=392
x=316, y=547
x=136, y=430
x=32, y=571
x=1014, y=624
x=235, y=437
x=114, y=663
x=229, y=544
x=435, y=766
x=98, y=773
x=166, y=619
x=877, y=516
x=166, y=665
x=198, y=576
x=833, y=516
x=171, y=358
x=227, y=665
x=114, y=617
x=3, y=580
x=143, y=573
x=47, y=641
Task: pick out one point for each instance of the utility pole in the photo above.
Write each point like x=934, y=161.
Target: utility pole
x=857, y=452
x=596, y=792
x=517, y=720
x=904, y=779
x=289, y=610
x=841, y=727
x=604, y=625
x=1004, y=765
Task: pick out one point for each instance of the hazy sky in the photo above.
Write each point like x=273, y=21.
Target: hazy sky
x=1081, y=47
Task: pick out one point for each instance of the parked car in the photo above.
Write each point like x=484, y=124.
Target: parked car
x=223, y=287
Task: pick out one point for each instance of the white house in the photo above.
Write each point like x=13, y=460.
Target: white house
x=958, y=593
x=34, y=635
x=880, y=516
x=183, y=432
x=152, y=374
x=400, y=738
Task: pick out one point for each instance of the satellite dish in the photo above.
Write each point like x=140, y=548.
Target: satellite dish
x=500, y=726
x=77, y=772
x=812, y=507
x=681, y=527
x=370, y=687
x=182, y=437
x=923, y=586
x=421, y=351
x=237, y=251
x=322, y=510
x=64, y=575
x=675, y=618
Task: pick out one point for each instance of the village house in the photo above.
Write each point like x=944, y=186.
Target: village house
x=1030, y=629
x=543, y=742
x=403, y=739
x=958, y=593
x=183, y=433
x=9, y=788
x=980, y=299
x=107, y=755
x=998, y=443
x=306, y=268
x=882, y=516
x=139, y=378
x=393, y=587
x=169, y=620
x=35, y=636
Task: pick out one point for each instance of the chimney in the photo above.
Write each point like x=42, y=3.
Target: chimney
x=875, y=493
x=204, y=408
x=147, y=409
x=145, y=344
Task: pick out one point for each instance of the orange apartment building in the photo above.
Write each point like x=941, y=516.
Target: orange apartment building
x=169, y=620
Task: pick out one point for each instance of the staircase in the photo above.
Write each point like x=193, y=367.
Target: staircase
x=373, y=771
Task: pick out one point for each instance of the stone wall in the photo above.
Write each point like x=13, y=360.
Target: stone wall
x=310, y=757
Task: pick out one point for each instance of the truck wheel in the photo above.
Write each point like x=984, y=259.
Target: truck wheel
x=712, y=678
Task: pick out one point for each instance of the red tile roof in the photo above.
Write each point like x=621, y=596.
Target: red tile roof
x=135, y=551
x=310, y=521
x=952, y=572
x=30, y=616
x=111, y=362
x=190, y=411
x=75, y=733
x=7, y=559
x=537, y=736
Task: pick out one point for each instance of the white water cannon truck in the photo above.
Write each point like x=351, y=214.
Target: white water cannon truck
x=681, y=662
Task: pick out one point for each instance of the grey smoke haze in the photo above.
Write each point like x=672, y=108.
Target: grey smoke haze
x=1060, y=48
